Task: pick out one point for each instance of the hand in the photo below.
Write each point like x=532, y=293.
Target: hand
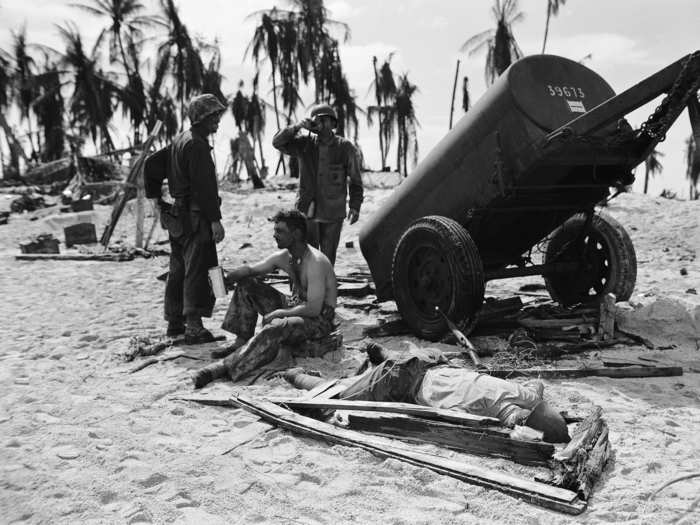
x=274, y=314
x=217, y=231
x=309, y=124
x=353, y=216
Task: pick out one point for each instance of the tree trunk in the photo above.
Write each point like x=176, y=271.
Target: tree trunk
x=546, y=26
x=379, y=112
x=646, y=178
x=15, y=147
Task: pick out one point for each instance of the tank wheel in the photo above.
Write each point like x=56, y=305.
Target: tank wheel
x=607, y=257
x=436, y=263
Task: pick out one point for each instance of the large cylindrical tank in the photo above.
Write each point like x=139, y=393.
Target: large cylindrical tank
x=469, y=166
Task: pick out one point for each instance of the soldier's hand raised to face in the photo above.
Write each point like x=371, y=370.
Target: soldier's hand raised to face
x=309, y=124
x=217, y=231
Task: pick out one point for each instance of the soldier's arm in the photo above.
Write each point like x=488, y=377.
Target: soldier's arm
x=267, y=265
x=202, y=176
x=355, y=189
x=315, y=293
x=288, y=142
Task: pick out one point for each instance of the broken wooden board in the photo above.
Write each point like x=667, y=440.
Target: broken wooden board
x=579, y=465
x=534, y=492
x=354, y=289
x=487, y=441
x=553, y=373
x=451, y=416
x=102, y=257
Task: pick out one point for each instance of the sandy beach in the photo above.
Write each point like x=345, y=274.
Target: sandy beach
x=82, y=440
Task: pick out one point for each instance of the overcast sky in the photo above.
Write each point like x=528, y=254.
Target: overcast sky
x=627, y=40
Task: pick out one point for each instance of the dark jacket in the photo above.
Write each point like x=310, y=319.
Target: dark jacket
x=328, y=189
x=192, y=177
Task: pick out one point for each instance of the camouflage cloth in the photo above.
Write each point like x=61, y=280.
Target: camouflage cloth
x=202, y=106
x=252, y=298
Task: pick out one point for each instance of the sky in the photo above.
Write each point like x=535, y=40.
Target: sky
x=627, y=40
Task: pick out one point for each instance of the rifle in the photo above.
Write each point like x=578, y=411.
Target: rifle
x=463, y=341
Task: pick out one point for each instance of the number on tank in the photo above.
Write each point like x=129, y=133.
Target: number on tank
x=565, y=91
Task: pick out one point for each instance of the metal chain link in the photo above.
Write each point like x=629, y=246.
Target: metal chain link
x=661, y=120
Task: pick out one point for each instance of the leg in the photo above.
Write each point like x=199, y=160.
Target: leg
x=329, y=236
x=263, y=347
x=199, y=256
x=250, y=299
x=173, y=304
x=312, y=235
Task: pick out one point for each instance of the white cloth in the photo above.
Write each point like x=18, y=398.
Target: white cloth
x=478, y=394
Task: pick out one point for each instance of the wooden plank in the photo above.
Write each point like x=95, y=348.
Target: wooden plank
x=136, y=169
x=625, y=372
x=451, y=416
x=320, y=389
x=104, y=257
x=486, y=441
x=555, y=323
x=531, y=491
x=606, y=323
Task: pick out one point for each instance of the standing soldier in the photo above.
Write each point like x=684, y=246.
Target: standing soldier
x=328, y=164
x=194, y=222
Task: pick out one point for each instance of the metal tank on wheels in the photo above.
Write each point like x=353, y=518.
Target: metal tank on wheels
x=528, y=162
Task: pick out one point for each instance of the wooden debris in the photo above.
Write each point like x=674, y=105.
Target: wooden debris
x=132, y=177
x=606, y=324
x=484, y=441
x=154, y=360
x=532, y=491
x=579, y=465
x=103, y=257
x=41, y=244
x=499, y=308
x=624, y=372
x=355, y=289
x=451, y=416
x=82, y=233
x=146, y=346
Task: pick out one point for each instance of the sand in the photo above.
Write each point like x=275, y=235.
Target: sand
x=84, y=441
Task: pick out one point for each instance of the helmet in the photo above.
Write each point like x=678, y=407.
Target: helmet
x=323, y=110
x=203, y=106
x=550, y=422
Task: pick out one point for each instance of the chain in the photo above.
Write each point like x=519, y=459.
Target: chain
x=660, y=121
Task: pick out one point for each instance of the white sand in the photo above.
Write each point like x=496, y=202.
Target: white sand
x=82, y=440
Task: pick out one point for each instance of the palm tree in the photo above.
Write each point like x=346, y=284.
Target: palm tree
x=49, y=108
x=6, y=81
x=23, y=80
x=266, y=38
x=552, y=10
x=692, y=162
x=502, y=49
x=652, y=166
x=211, y=81
x=406, y=123
x=180, y=56
x=92, y=101
x=385, y=95
x=123, y=15
x=289, y=65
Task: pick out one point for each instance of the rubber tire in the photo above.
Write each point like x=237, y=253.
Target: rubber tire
x=615, y=246
x=462, y=294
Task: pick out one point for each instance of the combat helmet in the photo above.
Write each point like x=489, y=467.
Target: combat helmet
x=203, y=106
x=324, y=110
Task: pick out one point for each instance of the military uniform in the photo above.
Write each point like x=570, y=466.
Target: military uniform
x=192, y=184
x=327, y=170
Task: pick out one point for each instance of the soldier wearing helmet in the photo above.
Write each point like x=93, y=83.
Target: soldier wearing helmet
x=193, y=185
x=328, y=170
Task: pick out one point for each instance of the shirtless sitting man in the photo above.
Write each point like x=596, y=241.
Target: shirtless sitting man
x=308, y=314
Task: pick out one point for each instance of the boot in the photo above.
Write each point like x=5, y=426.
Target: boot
x=209, y=373
x=195, y=333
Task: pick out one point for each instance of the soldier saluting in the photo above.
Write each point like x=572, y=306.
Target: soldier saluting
x=328, y=170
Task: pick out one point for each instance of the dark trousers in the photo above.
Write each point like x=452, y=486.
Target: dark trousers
x=187, y=291
x=252, y=298
x=325, y=236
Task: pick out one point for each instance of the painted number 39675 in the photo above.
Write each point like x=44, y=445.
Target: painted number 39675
x=565, y=91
